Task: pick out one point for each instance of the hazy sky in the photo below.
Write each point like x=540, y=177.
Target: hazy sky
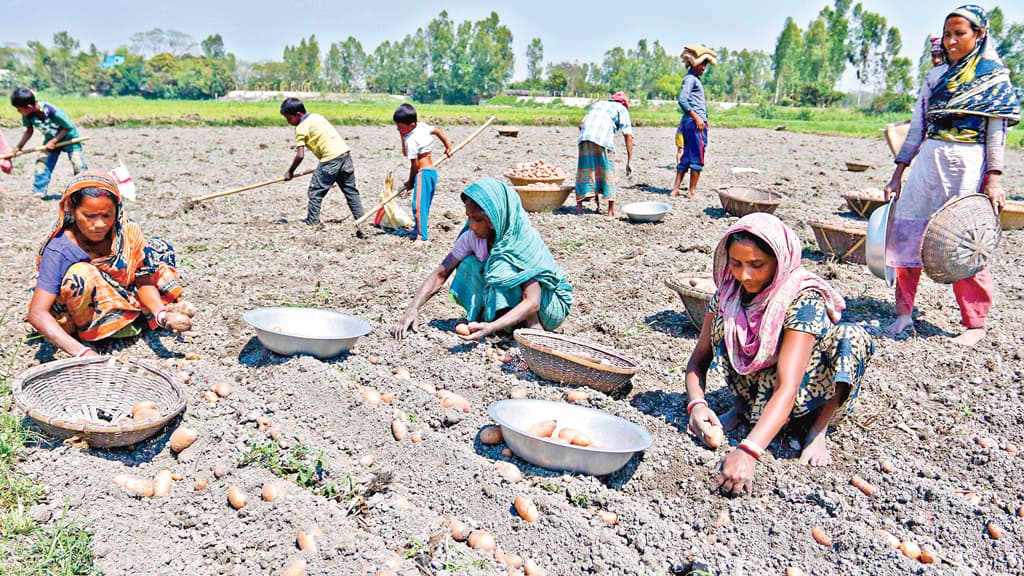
x=259, y=29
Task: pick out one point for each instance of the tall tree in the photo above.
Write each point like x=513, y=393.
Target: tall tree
x=786, y=59
x=345, y=64
x=303, y=62
x=867, y=50
x=213, y=47
x=534, y=62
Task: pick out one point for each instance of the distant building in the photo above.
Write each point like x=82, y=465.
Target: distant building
x=112, y=61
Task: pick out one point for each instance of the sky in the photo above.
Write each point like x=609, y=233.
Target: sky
x=256, y=30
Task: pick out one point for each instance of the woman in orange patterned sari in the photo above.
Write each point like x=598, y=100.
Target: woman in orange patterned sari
x=96, y=274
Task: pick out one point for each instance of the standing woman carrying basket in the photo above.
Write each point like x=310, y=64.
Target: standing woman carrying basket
x=958, y=135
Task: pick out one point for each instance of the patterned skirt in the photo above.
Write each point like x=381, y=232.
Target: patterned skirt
x=595, y=170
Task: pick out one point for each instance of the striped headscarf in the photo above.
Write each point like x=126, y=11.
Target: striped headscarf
x=972, y=90
x=753, y=331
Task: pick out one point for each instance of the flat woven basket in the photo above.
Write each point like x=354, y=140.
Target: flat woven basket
x=66, y=397
x=960, y=239
x=543, y=199
x=565, y=360
x=695, y=298
x=741, y=201
x=1012, y=216
x=863, y=205
x=896, y=135
x=843, y=241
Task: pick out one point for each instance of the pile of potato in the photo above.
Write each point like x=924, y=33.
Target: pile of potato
x=869, y=194
x=539, y=170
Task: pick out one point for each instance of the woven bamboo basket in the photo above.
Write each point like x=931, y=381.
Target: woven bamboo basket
x=1012, y=216
x=694, y=292
x=896, y=135
x=842, y=241
x=960, y=239
x=565, y=360
x=857, y=166
x=741, y=201
x=68, y=397
x=863, y=205
x=509, y=132
x=545, y=199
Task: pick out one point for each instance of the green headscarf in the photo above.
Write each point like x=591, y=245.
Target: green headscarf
x=518, y=253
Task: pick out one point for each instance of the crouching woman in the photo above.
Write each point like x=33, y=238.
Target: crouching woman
x=96, y=274
x=774, y=329
x=505, y=276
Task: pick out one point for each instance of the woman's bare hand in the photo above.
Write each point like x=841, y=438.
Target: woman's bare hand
x=737, y=475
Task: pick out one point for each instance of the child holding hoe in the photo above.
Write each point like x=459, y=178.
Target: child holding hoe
x=313, y=131
x=56, y=127
x=417, y=140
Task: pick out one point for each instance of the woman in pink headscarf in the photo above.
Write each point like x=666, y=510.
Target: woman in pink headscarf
x=773, y=329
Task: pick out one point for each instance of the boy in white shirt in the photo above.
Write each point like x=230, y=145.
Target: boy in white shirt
x=417, y=140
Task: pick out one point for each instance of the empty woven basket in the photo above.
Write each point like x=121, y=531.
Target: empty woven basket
x=741, y=201
x=696, y=294
x=565, y=360
x=841, y=240
x=69, y=397
x=960, y=239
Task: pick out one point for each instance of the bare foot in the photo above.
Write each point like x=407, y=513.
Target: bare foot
x=733, y=418
x=579, y=209
x=675, y=192
x=691, y=194
x=815, y=452
x=901, y=323
x=970, y=337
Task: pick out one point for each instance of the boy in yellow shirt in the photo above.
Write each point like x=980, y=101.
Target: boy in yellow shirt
x=313, y=131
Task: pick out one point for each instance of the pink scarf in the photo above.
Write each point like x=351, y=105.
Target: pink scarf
x=753, y=332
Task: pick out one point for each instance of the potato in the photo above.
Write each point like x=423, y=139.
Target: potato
x=513, y=560
x=202, y=484
x=262, y=423
x=387, y=397
x=888, y=538
x=120, y=480
x=525, y=507
x=402, y=373
x=928, y=556
x=236, y=497
x=296, y=567
x=567, y=435
x=453, y=400
x=366, y=460
x=370, y=395
x=794, y=571
x=191, y=356
x=821, y=536
x=995, y=530
x=530, y=568
x=210, y=397
x=506, y=452
x=479, y=384
x=459, y=530
x=219, y=471
x=142, y=405
x=399, y=429
x=984, y=442
x=162, y=483
x=462, y=329
x=145, y=414
x=491, y=435
x=141, y=487
x=182, y=438
x=306, y=542
x=417, y=436
x=577, y=396
x=176, y=476
x=609, y=518
x=272, y=491
x=374, y=360
x=886, y=466
x=222, y=389
x=1012, y=449
x=517, y=393
x=716, y=437
x=544, y=428
x=910, y=549
x=274, y=432
x=862, y=485
x=508, y=471
x=481, y=540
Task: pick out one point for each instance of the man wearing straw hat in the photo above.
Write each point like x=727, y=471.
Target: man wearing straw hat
x=694, y=123
x=595, y=171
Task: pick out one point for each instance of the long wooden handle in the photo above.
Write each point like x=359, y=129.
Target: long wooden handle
x=249, y=187
x=440, y=163
x=42, y=148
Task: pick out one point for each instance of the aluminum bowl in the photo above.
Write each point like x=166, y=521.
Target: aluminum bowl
x=646, y=211
x=620, y=438
x=321, y=333
x=874, y=245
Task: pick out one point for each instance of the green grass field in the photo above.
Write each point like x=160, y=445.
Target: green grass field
x=133, y=111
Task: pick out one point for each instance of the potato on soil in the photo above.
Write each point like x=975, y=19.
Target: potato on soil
x=491, y=435
x=182, y=438
x=236, y=497
x=526, y=509
x=459, y=530
x=481, y=540
x=821, y=536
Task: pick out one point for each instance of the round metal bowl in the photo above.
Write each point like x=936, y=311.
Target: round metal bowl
x=321, y=333
x=874, y=247
x=646, y=211
x=619, y=439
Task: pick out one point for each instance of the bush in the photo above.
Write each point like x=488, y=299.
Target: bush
x=892, y=102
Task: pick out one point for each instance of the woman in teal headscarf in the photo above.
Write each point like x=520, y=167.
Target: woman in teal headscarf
x=505, y=275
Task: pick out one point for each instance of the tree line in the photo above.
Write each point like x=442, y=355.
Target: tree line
x=466, y=62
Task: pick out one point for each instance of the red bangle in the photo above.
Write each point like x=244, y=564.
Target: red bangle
x=694, y=403
x=749, y=447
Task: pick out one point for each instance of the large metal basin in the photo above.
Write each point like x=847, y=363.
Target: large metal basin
x=874, y=247
x=646, y=211
x=619, y=438
x=321, y=333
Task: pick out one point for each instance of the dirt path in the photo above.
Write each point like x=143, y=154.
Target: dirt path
x=922, y=404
